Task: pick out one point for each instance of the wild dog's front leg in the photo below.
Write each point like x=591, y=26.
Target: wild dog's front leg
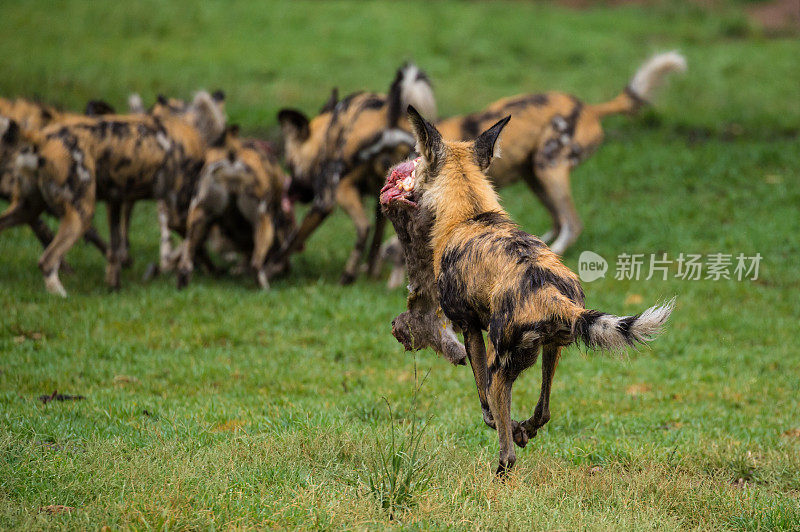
x=197, y=228
x=348, y=197
x=263, y=237
x=70, y=230
x=166, y=255
x=476, y=353
x=541, y=415
x=499, y=396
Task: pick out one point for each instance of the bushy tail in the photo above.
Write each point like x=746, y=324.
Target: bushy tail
x=411, y=86
x=642, y=86
x=135, y=104
x=599, y=330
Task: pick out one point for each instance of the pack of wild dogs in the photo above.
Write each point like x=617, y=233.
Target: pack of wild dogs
x=470, y=268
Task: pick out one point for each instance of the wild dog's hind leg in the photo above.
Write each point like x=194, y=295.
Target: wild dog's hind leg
x=72, y=226
x=476, y=353
x=556, y=185
x=263, y=237
x=115, y=245
x=541, y=415
x=348, y=197
x=127, y=212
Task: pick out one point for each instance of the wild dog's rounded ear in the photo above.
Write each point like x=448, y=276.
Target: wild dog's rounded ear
x=218, y=95
x=332, y=101
x=429, y=140
x=10, y=131
x=99, y=108
x=294, y=124
x=486, y=145
x=161, y=99
x=233, y=130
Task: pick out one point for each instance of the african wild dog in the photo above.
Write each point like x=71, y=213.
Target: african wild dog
x=345, y=151
x=195, y=128
x=550, y=135
x=67, y=166
x=241, y=190
x=35, y=115
x=492, y=276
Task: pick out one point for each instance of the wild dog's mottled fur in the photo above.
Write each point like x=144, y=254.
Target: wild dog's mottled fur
x=345, y=151
x=241, y=190
x=30, y=115
x=492, y=276
x=119, y=159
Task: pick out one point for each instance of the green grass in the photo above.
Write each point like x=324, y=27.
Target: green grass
x=222, y=406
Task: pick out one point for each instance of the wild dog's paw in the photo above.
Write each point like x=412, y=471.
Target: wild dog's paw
x=519, y=434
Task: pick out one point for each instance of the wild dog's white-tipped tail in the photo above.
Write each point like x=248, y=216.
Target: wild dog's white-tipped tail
x=416, y=90
x=411, y=86
x=135, y=103
x=614, y=333
x=652, y=73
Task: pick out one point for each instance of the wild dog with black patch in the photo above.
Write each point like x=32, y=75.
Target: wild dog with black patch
x=492, y=276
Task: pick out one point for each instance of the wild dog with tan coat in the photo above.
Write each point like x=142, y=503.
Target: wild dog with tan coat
x=344, y=152
x=34, y=115
x=241, y=190
x=492, y=276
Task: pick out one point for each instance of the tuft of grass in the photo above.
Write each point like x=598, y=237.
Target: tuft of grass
x=399, y=470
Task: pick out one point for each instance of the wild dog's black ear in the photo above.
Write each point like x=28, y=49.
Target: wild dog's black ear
x=332, y=101
x=233, y=130
x=161, y=99
x=429, y=140
x=99, y=108
x=11, y=133
x=485, y=144
x=294, y=124
x=218, y=95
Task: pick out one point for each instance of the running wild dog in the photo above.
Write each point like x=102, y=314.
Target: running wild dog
x=492, y=276
x=240, y=189
x=551, y=134
x=120, y=159
x=344, y=153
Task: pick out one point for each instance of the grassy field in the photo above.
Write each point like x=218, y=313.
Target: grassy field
x=224, y=407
